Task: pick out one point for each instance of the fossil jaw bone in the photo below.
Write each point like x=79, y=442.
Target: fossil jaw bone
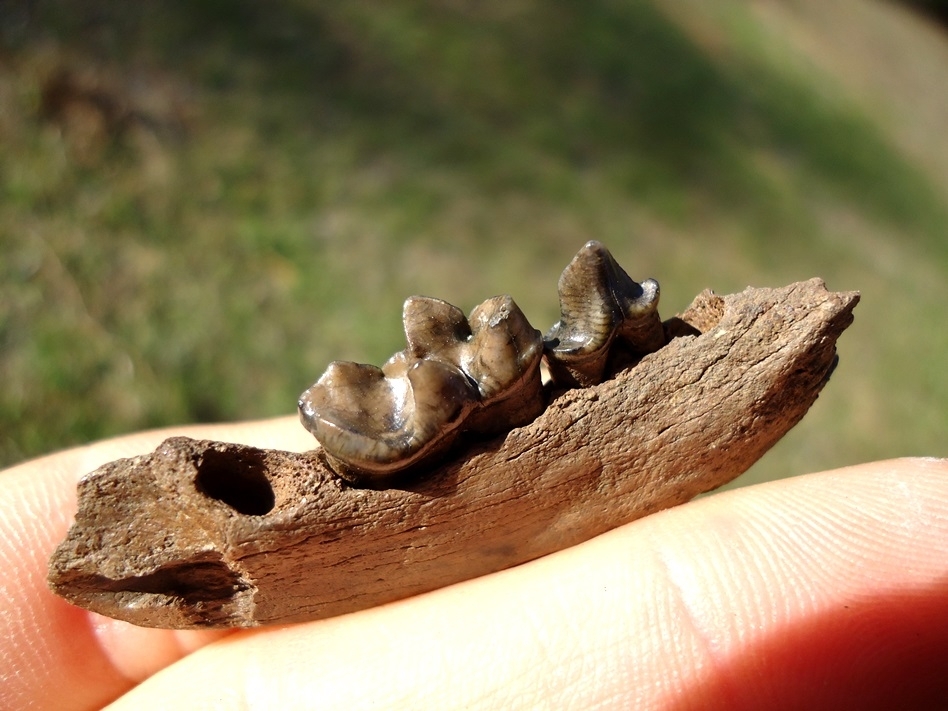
x=599, y=304
x=479, y=374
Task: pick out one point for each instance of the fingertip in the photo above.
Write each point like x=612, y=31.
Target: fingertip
x=136, y=653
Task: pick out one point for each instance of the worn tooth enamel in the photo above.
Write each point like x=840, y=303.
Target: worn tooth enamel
x=599, y=302
x=433, y=326
x=503, y=348
x=495, y=346
x=641, y=327
x=503, y=357
x=385, y=419
x=457, y=375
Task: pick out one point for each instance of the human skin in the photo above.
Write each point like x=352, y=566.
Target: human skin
x=828, y=590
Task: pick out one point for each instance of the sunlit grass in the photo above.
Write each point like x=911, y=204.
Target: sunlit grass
x=311, y=164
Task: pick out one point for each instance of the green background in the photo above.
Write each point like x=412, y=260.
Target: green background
x=204, y=202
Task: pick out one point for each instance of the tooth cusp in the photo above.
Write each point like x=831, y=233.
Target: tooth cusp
x=599, y=304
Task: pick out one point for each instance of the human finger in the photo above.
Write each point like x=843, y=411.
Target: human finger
x=824, y=591
x=54, y=655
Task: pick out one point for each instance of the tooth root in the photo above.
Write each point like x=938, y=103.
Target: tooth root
x=599, y=303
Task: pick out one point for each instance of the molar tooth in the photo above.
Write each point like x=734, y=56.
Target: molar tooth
x=479, y=375
x=598, y=303
x=503, y=358
x=641, y=327
x=502, y=348
x=370, y=420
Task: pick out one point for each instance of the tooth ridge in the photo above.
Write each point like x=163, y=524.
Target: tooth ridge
x=448, y=389
x=599, y=303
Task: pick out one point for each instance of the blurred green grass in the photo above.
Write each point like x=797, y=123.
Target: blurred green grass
x=271, y=181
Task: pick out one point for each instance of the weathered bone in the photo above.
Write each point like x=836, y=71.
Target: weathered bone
x=208, y=534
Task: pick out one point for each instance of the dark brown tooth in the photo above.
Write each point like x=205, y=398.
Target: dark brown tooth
x=599, y=303
x=479, y=375
x=503, y=358
x=382, y=420
x=432, y=326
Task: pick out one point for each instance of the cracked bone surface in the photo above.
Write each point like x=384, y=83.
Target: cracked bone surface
x=479, y=374
x=600, y=303
x=211, y=534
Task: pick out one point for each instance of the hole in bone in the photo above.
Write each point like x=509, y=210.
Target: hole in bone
x=238, y=481
x=192, y=581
